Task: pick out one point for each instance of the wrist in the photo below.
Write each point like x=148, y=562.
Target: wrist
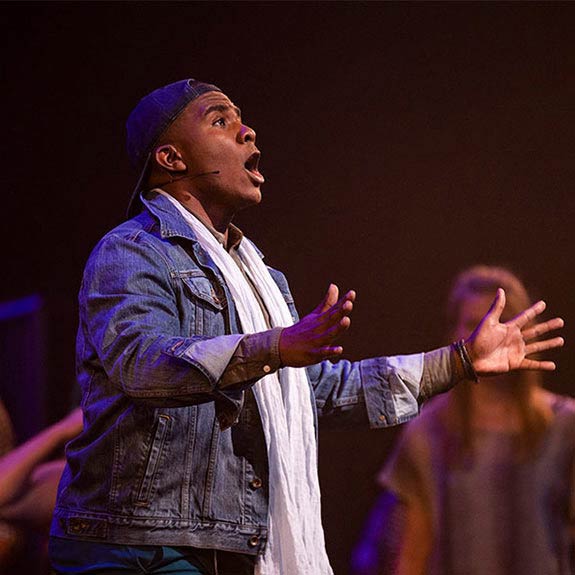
x=462, y=362
x=279, y=346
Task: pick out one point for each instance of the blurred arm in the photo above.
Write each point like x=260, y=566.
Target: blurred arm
x=17, y=466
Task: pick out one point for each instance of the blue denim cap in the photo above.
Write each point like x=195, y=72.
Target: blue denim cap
x=150, y=118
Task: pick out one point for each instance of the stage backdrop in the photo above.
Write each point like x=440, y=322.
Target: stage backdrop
x=401, y=142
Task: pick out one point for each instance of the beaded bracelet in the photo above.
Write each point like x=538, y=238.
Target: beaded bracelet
x=466, y=362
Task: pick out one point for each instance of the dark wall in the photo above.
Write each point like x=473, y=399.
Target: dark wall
x=401, y=142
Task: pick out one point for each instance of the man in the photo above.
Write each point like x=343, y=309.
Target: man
x=199, y=449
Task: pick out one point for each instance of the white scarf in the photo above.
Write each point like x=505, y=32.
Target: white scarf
x=296, y=544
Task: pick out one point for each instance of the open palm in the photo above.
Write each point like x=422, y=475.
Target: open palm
x=497, y=347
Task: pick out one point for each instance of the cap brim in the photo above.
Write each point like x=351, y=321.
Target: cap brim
x=135, y=204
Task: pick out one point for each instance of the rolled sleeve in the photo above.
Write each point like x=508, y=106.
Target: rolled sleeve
x=388, y=390
x=211, y=356
x=391, y=388
x=256, y=355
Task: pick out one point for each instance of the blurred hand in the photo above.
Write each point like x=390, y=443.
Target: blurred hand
x=70, y=425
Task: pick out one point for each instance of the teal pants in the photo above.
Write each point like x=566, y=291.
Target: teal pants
x=70, y=557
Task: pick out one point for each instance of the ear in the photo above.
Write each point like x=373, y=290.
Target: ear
x=168, y=157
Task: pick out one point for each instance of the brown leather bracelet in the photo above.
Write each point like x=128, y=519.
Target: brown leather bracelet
x=466, y=363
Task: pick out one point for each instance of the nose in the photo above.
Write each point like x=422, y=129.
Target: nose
x=246, y=134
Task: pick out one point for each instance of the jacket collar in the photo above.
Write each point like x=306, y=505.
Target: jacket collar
x=172, y=224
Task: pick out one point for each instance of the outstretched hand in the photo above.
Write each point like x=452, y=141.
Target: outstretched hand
x=497, y=347
x=312, y=339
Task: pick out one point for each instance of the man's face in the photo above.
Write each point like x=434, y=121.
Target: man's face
x=210, y=137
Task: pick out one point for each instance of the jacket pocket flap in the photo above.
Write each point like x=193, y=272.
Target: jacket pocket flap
x=202, y=288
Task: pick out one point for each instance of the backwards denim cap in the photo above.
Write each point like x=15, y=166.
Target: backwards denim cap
x=150, y=118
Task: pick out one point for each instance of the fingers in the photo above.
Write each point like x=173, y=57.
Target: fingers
x=346, y=302
x=529, y=314
x=542, y=328
x=329, y=300
x=533, y=364
x=343, y=307
x=337, y=329
x=538, y=346
x=330, y=352
x=336, y=321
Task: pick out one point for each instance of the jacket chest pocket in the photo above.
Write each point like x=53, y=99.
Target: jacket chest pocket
x=207, y=303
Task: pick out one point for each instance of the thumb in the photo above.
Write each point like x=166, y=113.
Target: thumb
x=329, y=300
x=497, y=306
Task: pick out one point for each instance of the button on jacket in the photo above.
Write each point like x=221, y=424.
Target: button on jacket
x=168, y=456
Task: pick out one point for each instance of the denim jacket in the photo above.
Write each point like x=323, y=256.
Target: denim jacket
x=158, y=461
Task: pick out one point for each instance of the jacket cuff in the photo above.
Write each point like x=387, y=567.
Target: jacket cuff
x=257, y=355
x=210, y=355
x=391, y=387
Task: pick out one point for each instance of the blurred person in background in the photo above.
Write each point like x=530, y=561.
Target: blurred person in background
x=29, y=477
x=483, y=482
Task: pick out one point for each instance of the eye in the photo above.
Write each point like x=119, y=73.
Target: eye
x=220, y=122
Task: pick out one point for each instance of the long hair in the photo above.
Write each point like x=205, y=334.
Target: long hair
x=484, y=280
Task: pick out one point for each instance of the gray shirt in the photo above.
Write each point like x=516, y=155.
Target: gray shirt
x=495, y=514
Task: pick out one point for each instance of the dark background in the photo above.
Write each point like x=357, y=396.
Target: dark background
x=401, y=142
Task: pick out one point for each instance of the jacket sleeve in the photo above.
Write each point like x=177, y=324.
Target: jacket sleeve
x=383, y=390
x=130, y=320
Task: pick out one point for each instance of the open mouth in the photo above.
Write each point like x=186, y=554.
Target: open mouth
x=251, y=165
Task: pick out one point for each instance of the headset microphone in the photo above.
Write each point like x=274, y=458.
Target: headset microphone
x=192, y=177
x=205, y=174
